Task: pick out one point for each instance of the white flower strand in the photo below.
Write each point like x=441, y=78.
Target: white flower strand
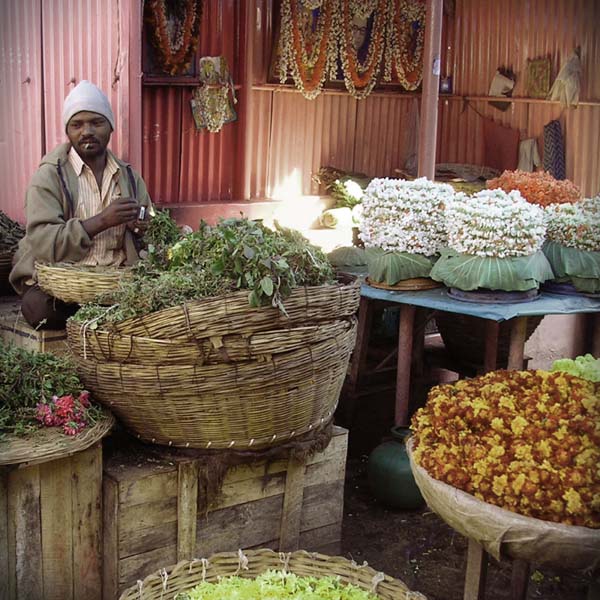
x=575, y=225
x=405, y=216
x=494, y=223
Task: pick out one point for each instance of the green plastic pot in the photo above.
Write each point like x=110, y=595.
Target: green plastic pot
x=390, y=477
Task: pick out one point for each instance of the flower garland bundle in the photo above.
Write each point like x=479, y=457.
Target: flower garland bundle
x=308, y=60
x=575, y=225
x=175, y=49
x=527, y=441
x=214, y=106
x=405, y=42
x=538, y=188
x=405, y=216
x=360, y=78
x=494, y=223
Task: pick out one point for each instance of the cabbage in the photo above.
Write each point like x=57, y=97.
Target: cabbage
x=276, y=585
x=585, y=367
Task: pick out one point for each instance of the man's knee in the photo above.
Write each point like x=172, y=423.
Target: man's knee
x=43, y=311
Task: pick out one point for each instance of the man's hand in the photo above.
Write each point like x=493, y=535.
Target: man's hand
x=119, y=211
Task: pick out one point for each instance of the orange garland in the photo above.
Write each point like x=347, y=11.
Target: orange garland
x=174, y=61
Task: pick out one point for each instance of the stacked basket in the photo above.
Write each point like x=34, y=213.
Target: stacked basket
x=215, y=373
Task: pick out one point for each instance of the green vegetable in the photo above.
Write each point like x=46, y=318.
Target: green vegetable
x=28, y=378
x=585, y=367
x=10, y=232
x=161, y=234
x=276, y=585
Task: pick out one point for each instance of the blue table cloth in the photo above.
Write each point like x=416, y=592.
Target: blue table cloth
x=544, y=304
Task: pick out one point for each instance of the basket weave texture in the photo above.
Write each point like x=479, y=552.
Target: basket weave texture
x=251, y=563
x=5, y=264
x=219, y=374
x=74, y=284
x=50, y=443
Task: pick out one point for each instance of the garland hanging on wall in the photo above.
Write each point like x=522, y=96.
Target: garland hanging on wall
x=174, y=32
x=405, y=42
x=360, y=77
x=307, y=52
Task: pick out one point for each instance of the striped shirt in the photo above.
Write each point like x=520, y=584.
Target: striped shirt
x=107, y=246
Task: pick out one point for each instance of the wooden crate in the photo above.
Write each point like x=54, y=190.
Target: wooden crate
x=14, y=328
x=151, y=517
x=50, y=529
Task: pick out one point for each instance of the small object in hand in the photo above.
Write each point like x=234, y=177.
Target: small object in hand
x=142, y=213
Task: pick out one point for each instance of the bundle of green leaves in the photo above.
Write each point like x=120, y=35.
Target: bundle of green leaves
x=28, y=379
x=235, y=254
x=10, y=232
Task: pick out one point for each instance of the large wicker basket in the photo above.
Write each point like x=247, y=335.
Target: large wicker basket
x=185, y=575
x=77, y=284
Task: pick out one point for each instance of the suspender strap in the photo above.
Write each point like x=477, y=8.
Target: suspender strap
x=65, y=189
x=132, y=182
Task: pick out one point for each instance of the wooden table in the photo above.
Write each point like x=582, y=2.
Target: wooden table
x=410, y=344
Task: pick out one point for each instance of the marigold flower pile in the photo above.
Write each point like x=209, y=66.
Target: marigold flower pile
x=527, y=441
x=405, y=216
x=72, y=414
x=575, y=225
x=494, y=223
x=538, y=188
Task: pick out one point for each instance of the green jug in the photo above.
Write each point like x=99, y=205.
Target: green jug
x=390, y=477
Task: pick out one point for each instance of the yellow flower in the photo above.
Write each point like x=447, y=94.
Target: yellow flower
x=518, y=425
x=573, y=500
x=499, y=485
x=518, y=483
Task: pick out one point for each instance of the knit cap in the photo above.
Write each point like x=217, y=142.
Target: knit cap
x=87, y=96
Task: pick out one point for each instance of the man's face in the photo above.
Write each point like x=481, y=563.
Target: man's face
x=89, y=133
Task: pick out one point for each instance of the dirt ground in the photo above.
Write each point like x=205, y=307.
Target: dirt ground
x=417, y=546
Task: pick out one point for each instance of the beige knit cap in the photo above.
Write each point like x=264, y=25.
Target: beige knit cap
x=87, y=96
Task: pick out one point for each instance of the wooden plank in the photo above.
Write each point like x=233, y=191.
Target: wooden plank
x=403, y=374
x=24, y=527
x=187, y=510
x=323, y=505
x=490, y=359
x=6, y=585
x=518, y=337
x=328, y=537
x=149, y=538
x=477, y=562
x=239, y=526
x=57, y=528
x=148, y=489
x=87, y=523
x=292, y=506
x=110, y=539
x=147, y=515
x=519, y=579
x=140, y=566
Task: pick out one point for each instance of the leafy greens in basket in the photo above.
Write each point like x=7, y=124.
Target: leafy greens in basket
x=236, y=254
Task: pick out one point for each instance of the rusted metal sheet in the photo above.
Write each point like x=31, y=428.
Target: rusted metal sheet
x=20, y=100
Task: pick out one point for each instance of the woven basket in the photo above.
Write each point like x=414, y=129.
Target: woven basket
x=185, y=575
x=50, y=443
x=229, y=314
x=464, y=336
x=76, y=284
x=104, y=346
x=249, y=405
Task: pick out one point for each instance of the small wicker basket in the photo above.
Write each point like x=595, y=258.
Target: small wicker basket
x=167, y=583
x=77, y=284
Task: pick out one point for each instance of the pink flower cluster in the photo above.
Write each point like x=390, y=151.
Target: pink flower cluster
x=66, y=412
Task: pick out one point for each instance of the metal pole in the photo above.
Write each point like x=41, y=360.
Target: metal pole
x=431, y=84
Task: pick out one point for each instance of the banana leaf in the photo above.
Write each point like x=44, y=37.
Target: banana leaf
x=510, y=274
x=348, y=256
x=580, y=267
x=392, y=267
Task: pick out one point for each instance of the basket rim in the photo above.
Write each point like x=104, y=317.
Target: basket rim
x=279, y=560
x=49, y=443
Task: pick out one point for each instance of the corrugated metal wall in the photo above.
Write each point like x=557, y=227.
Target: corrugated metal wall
x=20, y=100
x=515, y=31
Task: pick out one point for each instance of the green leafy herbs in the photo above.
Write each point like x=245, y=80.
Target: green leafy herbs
x=236, y=254
x=10, y=232
x=279, y=585
x=28, y=379
x=585, y=367
x=161, y=234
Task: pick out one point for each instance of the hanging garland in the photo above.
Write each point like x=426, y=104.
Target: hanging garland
x=175, y=31
x=360, y=78
x=406, y=37
x=308, y=58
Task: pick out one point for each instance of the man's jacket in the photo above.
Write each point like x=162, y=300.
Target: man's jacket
x=53, y=235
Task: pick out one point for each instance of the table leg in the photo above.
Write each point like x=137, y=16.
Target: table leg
x=519, y=580
x=477, y=562
x=594, y=325
x=359, y=356
x=405, y=347
x=490, y=360
x=518, y=336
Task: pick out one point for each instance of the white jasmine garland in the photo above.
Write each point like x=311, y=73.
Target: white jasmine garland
x=494, y=223
x=575, y=225
x=405, y=216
